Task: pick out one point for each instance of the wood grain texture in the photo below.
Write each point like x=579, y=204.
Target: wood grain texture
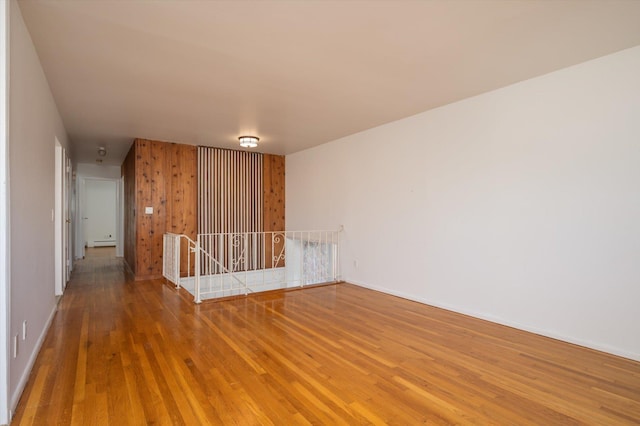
x=273, y=194
x=231, y=193
x=144, y=222
x=164, y=178
x=158, y=168
x=120, y=352
x=182, y=196
x=128, y=171
x=241, y=192
x=273, y=202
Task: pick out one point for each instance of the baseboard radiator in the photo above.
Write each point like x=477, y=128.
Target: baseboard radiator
x=103, y=243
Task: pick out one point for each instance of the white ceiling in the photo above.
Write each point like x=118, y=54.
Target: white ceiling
x=295, y=73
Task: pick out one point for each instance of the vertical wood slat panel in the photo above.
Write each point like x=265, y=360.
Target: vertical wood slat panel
x=228, y=175
x=259, y=209
x=236, y=202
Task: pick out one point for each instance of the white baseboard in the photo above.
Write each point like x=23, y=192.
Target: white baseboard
x=15, y=398
x=569, y=339
x=101, y=243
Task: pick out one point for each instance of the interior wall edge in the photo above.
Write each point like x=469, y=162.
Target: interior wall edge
x=503, y=321
x=5, y=228
x=517, y=205
x=35, y=123
x=22, y=382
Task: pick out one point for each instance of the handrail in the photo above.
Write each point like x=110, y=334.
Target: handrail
x=268, y=261
x=195, y=247
x=222, y=267
x=202, y=251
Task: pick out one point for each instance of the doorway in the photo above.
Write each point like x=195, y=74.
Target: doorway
x=62, y=220
x=99, y=208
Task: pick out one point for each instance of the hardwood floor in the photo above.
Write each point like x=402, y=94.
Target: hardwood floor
x=123, y=352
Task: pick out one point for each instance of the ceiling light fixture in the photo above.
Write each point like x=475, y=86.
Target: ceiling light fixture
x=248, y=141
x=102, y=151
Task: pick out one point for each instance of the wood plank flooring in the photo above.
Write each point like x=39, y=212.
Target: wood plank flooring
x=122, y=352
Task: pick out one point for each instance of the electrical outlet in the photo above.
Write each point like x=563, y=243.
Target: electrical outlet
x=24, y=330
x=15, y=346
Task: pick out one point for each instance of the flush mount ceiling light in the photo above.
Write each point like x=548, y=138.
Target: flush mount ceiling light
x=102, y=151
x=248, y=141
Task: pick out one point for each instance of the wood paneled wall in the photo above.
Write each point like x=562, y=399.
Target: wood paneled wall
x=164, y=176
x=273, y=203
x=273, y=192
x=129, y=174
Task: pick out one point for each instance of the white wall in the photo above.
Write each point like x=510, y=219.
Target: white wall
x=4, y=219
x=34, y=125
x=100, y=211
x=98, y=171
x=521, y=205
x=95, y=171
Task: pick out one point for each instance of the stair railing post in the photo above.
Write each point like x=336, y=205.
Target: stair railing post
x=246, y=262
x=176, y=239
x=197, y=271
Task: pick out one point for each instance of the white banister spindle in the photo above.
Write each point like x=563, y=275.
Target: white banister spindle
x=245, y=250
x=198, y=298
x=220, y=253
x=224, y=263
x=176, y=258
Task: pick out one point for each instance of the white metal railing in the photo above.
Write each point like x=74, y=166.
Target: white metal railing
x=227, y=264
x=172, y=262
x=171, y=257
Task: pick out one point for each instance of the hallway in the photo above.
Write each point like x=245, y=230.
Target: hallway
x=123, y=352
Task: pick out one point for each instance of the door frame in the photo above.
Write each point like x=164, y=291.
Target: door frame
x=80, y=209
x=68, y=215
x=5, y=229
x=61, y=218
x=120, y=218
